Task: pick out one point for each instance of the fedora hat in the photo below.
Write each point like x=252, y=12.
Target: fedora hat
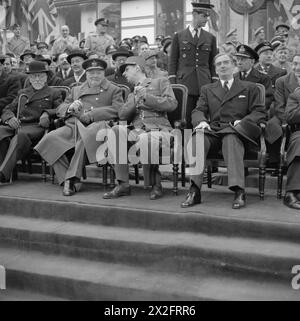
x=27, y=52
x=248, y=130
x=37, y=67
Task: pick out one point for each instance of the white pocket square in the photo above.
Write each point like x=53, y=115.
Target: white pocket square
x=242, y=96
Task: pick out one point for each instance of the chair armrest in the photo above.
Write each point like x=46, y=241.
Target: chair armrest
x=179, y=124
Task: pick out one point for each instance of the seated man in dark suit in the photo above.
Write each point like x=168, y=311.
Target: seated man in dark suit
x=9, y=86
x=34, y=116
x=292, y=197
x=223, y=110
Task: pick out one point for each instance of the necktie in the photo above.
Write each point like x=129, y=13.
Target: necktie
x=226, y=86
x=243, y=75
x=196, y=37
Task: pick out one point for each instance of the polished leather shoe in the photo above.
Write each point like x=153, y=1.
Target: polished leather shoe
x=156, y=192
x=69, y=188
x=193, y=198
x=239, y=200
x=118, y=191
x=291, y=201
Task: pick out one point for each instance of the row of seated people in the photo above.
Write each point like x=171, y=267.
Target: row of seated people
x=222, y=108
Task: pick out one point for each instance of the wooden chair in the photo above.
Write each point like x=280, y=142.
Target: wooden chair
x=254, y=157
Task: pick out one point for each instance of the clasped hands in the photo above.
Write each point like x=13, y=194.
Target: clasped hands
x=76, y=108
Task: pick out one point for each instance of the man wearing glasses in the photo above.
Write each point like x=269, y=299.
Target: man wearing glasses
x=192, y=54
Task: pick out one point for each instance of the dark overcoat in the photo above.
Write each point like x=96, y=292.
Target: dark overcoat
x=219, y=110
x=9, y=87
x=103, y=102
x=192, y=63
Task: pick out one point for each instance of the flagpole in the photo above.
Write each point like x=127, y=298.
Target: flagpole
x=97, y=9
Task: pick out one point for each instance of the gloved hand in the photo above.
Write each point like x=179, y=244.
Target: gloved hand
x=44, y=121
x=75, y=107
x=86, y=118
x=13, y=123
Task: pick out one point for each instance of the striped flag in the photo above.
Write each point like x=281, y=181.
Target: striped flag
x=52, y=9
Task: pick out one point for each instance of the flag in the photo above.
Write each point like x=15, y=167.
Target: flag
x=52, y=9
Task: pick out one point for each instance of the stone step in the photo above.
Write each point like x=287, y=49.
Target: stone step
x=137, y=212
x=79, y=279
x=179, y=252
x=23, y=295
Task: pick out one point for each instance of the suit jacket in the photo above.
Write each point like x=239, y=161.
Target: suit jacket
x=68, y=82
x=257, y=77
x=45, y=100
x=219, y=108
x=273, y=72
x=59, y=74
x=191, y=64
x=151, y=113
x=293, y=118
x=9, y=87
x=103, y=102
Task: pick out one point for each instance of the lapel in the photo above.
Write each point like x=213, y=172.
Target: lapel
x=86, y=90
x=253, y=76
x=202, y=38
x=235, y=89
x=188, y=36
x=217, y=90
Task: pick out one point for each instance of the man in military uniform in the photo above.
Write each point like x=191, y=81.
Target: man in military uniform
x=281, y=58
x=292, y=197
x=9, y=86
x=64, y=42
x=100, y=40
x=17, y=44
x=85, y=112
x=260, y=37
x=147, y=107
x=152, y=70
x=119, y=57
x=265, y=65
x=192, y=54
x=246, y=59
x=224, y=109
x=34, y=117
x=231, y=36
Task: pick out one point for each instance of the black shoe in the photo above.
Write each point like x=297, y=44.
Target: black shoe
x=290, y=200
x=193, y=198
x=69, y=188
x=118, y=191
x=3, y=179
x=239, y=200
x=156, y=192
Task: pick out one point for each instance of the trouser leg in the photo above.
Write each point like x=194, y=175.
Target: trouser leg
x=233, y=152
x=293, y=176
x=4, y=144
x=191, y=105
x=204, y=146
x=60, y=168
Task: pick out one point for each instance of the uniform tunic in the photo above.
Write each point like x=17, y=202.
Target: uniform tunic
x=98, y=43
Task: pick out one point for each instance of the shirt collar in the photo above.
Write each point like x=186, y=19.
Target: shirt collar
x=192, y=30
x=230, y=82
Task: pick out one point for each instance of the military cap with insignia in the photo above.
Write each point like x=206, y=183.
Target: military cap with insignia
x=110, y=49
x=283, y=25
x=103, y=21
x=42, y=45
x=76, y=53
x=277, y=41
x=95, y=63
x=144, y=39
x=133, y=61
x=264, y=46
x=258, y=30
x=136, y=38
x=201, y=7
x=246, y=52
x=122, y=52
x=159, y=37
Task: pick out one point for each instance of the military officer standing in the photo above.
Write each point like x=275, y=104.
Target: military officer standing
x=85, y=112
x=17, y=44
x=34, y=117
x=192, y=54
x=99, y=41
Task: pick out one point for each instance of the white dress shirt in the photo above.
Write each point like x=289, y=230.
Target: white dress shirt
x=230, y=82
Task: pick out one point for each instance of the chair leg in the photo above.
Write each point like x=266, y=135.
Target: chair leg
x=183, y=174
x=52, y=175
x=84, y=175
x=262, y=179
x=209, y=176
x=279, y=183
x=29, y=166
x=112, y=177
x=175, y=178
x=137, y=174
x=44, y=176
x=105, y=175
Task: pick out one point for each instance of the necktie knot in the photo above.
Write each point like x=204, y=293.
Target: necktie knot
x=226, y=85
